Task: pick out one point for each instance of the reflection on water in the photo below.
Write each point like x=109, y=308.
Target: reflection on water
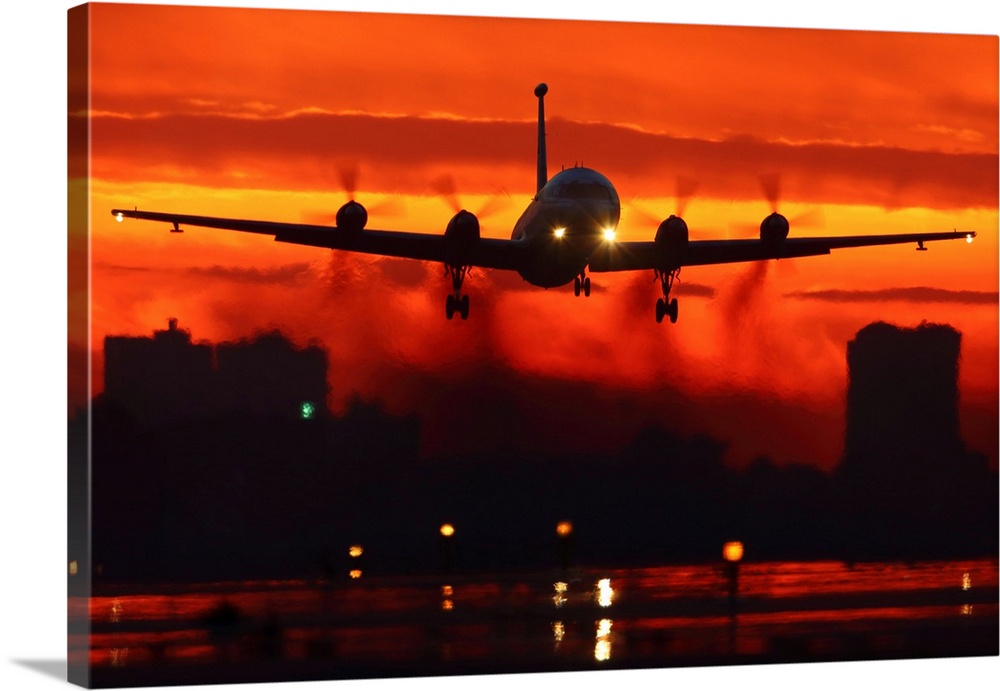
x=558, y=631
x=560, y=598
x=604, y=592
x=116, y=611
x=602, y=649
x=664, y=615
x=447, y=592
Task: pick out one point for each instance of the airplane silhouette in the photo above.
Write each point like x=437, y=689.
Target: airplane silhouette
x=568, y=228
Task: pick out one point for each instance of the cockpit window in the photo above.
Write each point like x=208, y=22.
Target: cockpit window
x=583, y=190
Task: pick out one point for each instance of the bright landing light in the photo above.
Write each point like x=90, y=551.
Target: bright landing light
x=121, y=217
x=609, y=234
x=968, y=238
x=559, y=232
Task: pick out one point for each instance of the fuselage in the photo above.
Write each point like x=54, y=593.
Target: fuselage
x=573, y=214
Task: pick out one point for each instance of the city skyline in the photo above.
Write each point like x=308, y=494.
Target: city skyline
x=168, y=432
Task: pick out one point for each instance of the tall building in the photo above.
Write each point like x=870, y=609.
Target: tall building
x=159, y=380
x=907, y=486
x=902, y=399
x=167, y=378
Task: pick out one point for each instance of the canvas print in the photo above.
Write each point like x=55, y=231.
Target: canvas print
x=419, y=346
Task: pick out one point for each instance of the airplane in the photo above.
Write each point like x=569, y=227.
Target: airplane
x=568, y=227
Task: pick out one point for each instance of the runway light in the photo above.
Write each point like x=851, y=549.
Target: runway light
x=966, y=581
x=447, y=530
x=356, y=551
x=609, y=234
x=732, y=551
x=355, y=574
x=559, y=232
x=564, y=529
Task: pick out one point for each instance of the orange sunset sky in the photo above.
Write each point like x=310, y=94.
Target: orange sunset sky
x=257, y=113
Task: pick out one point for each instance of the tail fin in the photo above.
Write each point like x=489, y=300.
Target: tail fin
x=543, y=175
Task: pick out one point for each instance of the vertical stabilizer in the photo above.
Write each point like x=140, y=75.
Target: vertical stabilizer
x=543, y=175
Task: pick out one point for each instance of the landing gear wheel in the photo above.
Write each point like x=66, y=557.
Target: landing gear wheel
x=586, y=287
x=456, y=302
x=666, y=307
x=576, y=286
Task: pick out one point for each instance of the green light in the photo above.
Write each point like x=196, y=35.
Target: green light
x=307, y=410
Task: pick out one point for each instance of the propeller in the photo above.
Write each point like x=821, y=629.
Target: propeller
x=444, y=186
x=348, y=172
x=684, y=189
x=771, y=186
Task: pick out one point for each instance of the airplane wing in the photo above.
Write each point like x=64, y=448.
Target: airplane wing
x=631, y=256
x=489, y=253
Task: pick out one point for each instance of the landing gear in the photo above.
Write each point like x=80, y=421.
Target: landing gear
x=666, y=306
x=666, y=309
x=581, y=282
x=456, y=302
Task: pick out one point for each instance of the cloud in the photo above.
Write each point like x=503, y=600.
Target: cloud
x=915, y=294
x=694, y=290
x=284, y=274
x=404, y=153
x=288, y=273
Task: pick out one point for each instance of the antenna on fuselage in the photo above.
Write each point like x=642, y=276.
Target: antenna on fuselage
x=543, y=175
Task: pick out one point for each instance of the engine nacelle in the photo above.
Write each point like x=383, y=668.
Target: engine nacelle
x=672, y=234
x=774, y=229
x=461, y=235
x=352, y=217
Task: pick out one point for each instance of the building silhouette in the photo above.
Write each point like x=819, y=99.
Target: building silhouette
x=168, y=378
x=902, y=398
x=202, y=451
x=907, y=485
